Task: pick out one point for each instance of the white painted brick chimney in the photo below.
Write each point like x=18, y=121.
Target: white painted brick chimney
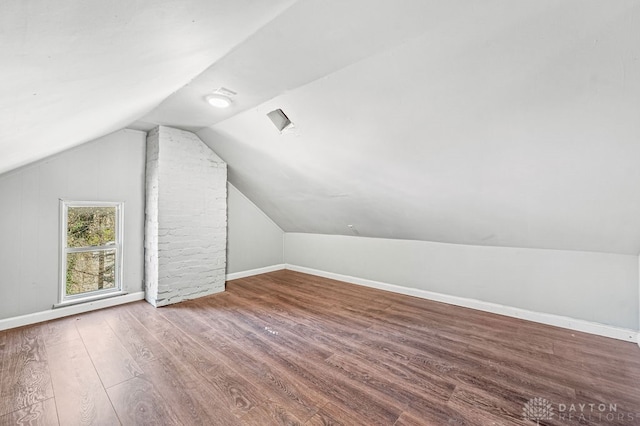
x=186, y=218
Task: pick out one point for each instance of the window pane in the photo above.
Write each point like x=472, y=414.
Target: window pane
x=90, y=271
x=91, y=226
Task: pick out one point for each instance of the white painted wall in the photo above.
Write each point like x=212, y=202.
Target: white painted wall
x=590, y=286
x=108, y=169
x=253, y=241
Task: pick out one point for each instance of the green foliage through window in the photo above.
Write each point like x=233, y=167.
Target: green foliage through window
x=91, y=235
x=91, y=226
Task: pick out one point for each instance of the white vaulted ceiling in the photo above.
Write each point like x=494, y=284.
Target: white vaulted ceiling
x=487, y=122
x=74, y=70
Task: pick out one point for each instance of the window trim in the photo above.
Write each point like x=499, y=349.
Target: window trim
x=89, y=296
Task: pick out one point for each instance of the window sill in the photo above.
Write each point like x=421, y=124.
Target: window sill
x=89, y=299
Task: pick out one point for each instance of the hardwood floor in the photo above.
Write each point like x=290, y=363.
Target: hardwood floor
x=286, y=348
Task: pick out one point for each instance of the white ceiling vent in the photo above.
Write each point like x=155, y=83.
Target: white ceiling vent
x=224, y=92
x=280, y=120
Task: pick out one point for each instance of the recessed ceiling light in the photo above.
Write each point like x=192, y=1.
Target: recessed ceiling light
x=218, y=101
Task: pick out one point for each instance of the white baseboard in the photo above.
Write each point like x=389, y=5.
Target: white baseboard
x=61, y=312
x=540, y=317
x=252, y=272
x=69, y=310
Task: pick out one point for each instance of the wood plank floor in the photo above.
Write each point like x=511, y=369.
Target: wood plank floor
x=286, y=348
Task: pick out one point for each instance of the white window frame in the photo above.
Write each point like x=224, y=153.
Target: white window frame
x=89, y=296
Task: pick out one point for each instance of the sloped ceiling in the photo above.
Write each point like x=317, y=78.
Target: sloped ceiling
x=74, y=70
x=487, y=122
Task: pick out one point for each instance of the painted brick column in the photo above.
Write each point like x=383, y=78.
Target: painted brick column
x=185, y=218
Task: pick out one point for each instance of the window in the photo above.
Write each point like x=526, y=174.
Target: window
x=91, y=260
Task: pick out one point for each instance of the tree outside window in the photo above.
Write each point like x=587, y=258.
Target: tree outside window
x=91, y=248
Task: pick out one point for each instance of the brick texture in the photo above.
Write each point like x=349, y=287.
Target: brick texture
x=186, y=218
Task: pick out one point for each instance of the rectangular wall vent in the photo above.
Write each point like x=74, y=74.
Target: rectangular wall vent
x=280, y=120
